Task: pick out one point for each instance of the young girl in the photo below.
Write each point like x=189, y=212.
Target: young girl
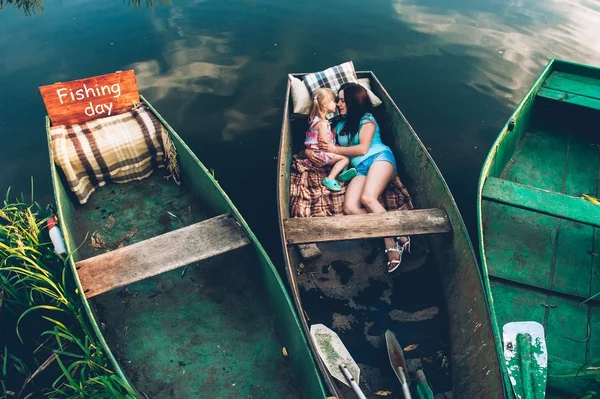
x=319, y=129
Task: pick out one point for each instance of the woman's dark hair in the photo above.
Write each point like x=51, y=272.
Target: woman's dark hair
x=357, y=105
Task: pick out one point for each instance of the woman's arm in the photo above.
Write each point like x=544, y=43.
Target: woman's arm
x=365, y=137
x=310, y=154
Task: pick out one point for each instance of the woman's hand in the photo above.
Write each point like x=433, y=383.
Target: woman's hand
x=310, y=154
x=327, y=146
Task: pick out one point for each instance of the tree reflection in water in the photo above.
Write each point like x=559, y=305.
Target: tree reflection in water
x=30, y=7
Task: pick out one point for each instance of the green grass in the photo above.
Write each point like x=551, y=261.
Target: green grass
x=50, y=349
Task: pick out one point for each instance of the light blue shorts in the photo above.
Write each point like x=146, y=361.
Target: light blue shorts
x=386, y=155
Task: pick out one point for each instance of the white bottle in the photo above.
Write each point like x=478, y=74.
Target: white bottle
x=56, y=237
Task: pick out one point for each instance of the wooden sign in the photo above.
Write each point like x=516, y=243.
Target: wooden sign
x=82, y=100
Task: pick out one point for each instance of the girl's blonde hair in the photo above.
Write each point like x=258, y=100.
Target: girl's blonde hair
x=321, y=98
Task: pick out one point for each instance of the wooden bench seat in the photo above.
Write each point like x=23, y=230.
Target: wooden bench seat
x=541, y=201
x=573, y=89
x=160, y=254
x=354, y=227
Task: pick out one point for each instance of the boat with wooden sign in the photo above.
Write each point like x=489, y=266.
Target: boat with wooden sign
x=537, y=222
x=437, y=307
x=177, y=287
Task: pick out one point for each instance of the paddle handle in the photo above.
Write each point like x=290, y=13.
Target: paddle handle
x=352, y=382
x=524, y=344
x=404, y=383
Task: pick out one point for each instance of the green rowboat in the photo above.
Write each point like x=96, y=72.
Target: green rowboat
x=216, y=329
x=537, y=235
x=348, y=290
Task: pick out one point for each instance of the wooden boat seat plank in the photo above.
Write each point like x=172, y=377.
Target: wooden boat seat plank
x=573, y=89
x=575, y=84
x=541, y=201
x=570, y=98
x=160, y=254
x=354, y=227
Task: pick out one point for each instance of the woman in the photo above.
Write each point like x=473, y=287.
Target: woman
x=358, y=137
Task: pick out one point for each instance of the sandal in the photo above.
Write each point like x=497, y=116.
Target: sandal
x=347, y=175
x=400, y=248
x=331, y=184
x=405, y=246
x=393, y=264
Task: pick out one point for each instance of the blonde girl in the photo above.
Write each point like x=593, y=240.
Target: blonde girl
x=319, y=129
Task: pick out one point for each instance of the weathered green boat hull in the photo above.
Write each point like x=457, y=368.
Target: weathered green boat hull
x=216, y=330
x=475, y=367
x=537, y=247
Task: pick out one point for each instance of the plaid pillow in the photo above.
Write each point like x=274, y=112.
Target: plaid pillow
x=333, y=77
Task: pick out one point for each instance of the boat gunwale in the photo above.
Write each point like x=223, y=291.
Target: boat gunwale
x=504, y=132
x=56, y=182
x=284, y=191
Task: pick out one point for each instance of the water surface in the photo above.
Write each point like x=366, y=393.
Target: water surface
x=217, y=70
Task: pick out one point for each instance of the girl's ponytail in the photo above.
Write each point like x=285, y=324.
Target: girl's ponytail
x=315, y=109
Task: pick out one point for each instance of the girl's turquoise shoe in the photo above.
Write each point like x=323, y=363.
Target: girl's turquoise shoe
x=347, y=175
x=331, y=184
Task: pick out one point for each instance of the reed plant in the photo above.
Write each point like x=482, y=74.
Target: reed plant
x=52, y=351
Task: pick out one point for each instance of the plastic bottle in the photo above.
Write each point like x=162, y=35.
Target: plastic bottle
x=56, y=237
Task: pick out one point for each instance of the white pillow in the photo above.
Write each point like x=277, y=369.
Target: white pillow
x=364, y=82
x=301, y=97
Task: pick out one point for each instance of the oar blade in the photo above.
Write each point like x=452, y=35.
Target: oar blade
x=526, y=358
x=396, y=356
x=333, y=352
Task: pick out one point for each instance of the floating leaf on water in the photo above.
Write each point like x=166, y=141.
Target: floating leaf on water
x=111, y=222
x=591, y=199
x=383, y=393
x=411, y=347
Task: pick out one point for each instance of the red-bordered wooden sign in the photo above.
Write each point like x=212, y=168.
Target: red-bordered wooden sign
x=91, y=98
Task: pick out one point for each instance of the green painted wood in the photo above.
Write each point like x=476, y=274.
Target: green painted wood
x=453, y=267
x=575, y=84
x=537, y=237
x=542, y=201
x=188, y=336
x=569, y=98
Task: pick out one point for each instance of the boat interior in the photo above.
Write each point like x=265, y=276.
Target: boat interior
x=540, y=236
x=347, y=288
x=188, y=308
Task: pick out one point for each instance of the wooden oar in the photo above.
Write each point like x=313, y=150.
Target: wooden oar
x=526, y=358
x=336, y=357
x=397, y=361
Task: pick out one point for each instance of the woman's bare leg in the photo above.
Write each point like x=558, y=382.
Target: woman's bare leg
x=352, y=205
x=378, y=177
x=340, y=162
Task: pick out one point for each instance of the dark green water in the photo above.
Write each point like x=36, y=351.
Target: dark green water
x=216, y=70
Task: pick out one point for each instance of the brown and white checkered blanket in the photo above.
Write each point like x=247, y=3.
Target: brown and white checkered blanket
x=309, y=198
x=117, y=149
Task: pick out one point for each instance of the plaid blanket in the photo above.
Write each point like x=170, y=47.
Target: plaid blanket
x=117, y=149
x=309, y=198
